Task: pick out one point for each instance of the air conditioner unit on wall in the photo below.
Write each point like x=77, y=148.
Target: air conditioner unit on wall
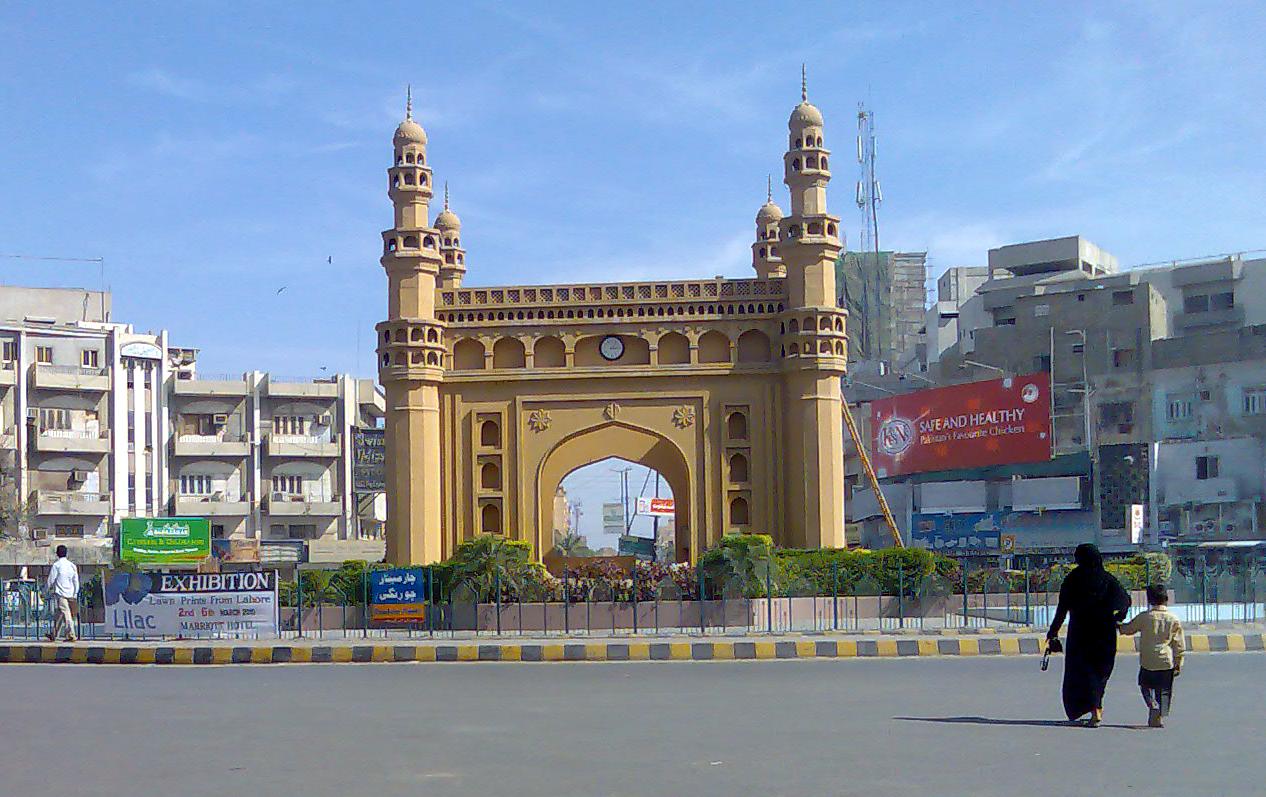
x=219, y=419
x=79, y=476
x=325, y=420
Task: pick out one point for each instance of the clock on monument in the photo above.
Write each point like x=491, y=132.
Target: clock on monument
x=611, y=348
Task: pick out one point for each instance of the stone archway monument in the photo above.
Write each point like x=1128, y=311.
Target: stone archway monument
x=730, y=388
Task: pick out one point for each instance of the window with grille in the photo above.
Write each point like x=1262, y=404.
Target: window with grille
x=1222, y=301
x=1196, y=304
x=1178, y=408
x=90, y=358
x=10, y=351
x=196, y=484
x=1255, y=401
x=290, y=424
x=53, y=418
x=288, y=485
x=44, y=354
x=1206, y=468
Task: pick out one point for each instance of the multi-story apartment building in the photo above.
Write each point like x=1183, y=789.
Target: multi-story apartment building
x=84, y=409
x=271, y=458
x=1208, y=408
x=99, y=422
x=1156, y=374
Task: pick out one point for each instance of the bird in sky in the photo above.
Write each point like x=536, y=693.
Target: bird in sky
x=279, y=290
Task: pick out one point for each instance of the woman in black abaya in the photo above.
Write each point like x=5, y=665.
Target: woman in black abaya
x=1094, y=602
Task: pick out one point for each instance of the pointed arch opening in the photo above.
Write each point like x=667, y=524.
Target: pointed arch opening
x=584, y=465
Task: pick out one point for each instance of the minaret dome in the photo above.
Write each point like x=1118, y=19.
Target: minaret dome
x=409, y=131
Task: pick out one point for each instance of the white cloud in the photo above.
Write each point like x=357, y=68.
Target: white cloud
x=163, y=82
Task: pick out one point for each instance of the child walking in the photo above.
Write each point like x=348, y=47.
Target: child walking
x=1161, y=647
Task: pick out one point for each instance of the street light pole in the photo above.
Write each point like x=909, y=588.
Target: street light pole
x=986, y=366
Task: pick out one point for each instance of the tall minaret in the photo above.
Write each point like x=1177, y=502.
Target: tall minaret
x=411, y=355
x=765, y=258
x=809, y=246
x=450, y=228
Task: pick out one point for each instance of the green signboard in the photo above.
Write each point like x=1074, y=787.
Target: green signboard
x=164, y=540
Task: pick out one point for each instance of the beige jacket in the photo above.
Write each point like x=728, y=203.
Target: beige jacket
x=1161, y=642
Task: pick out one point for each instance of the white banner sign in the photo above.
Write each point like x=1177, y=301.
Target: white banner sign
x=656, y=507
x=613, y=517
x=191, y=604
x=1136, y=524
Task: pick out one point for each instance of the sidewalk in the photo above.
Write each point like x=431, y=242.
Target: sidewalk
x=664, y=648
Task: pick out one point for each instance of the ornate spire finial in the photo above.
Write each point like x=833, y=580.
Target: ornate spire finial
x=769, y=192
x=446, y=194
x=804, y=84
x=408, y=102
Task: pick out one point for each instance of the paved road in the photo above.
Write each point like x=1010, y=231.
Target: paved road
x=699, y=729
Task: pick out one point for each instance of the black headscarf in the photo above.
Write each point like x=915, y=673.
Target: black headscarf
x=1088, y=556
x=1093, y=585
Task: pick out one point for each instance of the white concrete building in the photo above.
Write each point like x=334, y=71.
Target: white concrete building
x=99, y=422
x=83, y=408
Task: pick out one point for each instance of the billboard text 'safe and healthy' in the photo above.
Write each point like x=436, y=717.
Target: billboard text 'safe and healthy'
x=995, y=422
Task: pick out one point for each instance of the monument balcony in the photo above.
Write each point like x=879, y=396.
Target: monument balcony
x=614, y=294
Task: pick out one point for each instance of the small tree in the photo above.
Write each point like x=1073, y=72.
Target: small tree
x=490, y=559
x=573, y=545
x=17, y=511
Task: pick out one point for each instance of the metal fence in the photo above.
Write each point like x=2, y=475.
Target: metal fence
x=1011, y=592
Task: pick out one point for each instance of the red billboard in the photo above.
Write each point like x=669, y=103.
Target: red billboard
x=995, y=422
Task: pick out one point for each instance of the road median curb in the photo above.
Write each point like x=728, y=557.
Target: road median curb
x=574, y=651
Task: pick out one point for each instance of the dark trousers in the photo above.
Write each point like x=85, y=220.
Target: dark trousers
x=1157, y=687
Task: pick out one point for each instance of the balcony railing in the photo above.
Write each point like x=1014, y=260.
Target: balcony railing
x=70, y=502
x=70, y=377
x=211, y=445
x=215, y=505
x=300, y=505
x=303, y=445
x=84, y=440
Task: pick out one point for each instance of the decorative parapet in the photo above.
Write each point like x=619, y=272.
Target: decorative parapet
x=614, y=293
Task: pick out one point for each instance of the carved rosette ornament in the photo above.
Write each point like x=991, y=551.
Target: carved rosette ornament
x=684, y=417
x=538, y=420
x=611, y=411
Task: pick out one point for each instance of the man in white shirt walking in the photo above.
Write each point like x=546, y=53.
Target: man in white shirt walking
x=63, y=587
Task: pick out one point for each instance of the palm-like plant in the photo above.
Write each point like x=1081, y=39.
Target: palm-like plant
x=488, y=561
x=572, y=544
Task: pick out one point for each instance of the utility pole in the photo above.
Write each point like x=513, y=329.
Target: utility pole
x=655, y=518
x=624, y=494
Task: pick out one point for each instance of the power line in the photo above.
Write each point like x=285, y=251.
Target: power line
x=100, y=261
x=57, y=259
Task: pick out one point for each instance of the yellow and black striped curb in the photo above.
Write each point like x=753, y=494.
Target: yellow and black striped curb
x=576, y=651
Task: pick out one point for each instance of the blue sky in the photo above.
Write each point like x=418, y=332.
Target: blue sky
x=214, y=153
